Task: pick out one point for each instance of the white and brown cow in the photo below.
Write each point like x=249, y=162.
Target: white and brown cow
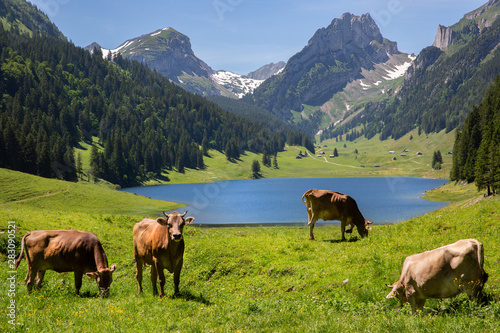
x=330, y=205
x=160, y=243
x=65, y=251
x=441, y=273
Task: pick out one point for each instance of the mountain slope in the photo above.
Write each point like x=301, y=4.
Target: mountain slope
x=136, y=123
x=441, y=87
x=23, y=17
x=334, y=57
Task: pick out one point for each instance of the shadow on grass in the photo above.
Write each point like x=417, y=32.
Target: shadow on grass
x=462, y=305
x=336, y=241
x=87, y=294
x=189, y=296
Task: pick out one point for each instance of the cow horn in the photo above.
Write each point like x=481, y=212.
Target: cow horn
x=184, y=213
x=166, y=215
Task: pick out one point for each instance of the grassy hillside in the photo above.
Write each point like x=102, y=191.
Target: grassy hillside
x=262, y=279
x=21, y=191
x=371, y=153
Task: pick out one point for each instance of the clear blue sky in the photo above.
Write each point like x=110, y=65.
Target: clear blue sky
x=242, y=35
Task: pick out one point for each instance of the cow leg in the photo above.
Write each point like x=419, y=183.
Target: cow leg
x=39, y=279
x=138, y=273
x=311, y=221
x=177, y=277
x=417, y=304
x=311, y=228
x=475, y=292
x=342, y=229
x=153, y=279
x=161, y=279
x=30, y=278
x=78, y=281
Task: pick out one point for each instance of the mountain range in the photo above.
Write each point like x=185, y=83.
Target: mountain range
x=347, y=78
x=169, y=52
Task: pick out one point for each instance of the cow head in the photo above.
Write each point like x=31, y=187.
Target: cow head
x=398, y=291
x=175, y=223
x=103, y=278
x=363, y=228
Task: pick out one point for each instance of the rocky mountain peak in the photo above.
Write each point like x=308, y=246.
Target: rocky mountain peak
x=266, y=71
x=333, y=57
x=359, y=30
x=166, y=50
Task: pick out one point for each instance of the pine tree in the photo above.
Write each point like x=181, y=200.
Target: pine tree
x=437, y=160
x=256, y=169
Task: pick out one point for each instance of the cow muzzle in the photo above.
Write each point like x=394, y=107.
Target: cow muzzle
x=177, y=237
x=104, y=292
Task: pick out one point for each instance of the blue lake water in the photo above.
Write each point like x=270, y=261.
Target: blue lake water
x=279, y=200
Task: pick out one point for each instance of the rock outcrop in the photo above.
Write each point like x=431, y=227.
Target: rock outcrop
x=444, y=37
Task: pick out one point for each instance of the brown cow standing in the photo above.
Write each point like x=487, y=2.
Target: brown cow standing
x=65, y=251
x=159, y=243
x=330, y=205
x=440, y=273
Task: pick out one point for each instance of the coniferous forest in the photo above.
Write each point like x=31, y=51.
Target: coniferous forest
x=56, y=95
x=476, y=153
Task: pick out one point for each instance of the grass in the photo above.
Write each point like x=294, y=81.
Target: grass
x=254, y=279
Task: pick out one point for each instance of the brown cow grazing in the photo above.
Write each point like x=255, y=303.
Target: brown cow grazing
x=65, y=251
x=330, y=205
x=159, y=243
x=441, y=273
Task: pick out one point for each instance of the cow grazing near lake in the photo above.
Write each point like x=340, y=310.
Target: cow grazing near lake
x=330, y=205
x=441, y=273
x=65, y=251
x=160, y=243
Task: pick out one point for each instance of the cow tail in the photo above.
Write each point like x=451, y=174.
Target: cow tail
x=306, y=194
x=480, y=259
x=18, y=260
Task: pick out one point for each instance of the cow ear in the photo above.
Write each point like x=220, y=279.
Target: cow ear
x=92, y=275
x=189, y=220
x=162, y=220
x=112, y=268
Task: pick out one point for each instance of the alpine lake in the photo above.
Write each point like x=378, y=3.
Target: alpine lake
x=278, y=201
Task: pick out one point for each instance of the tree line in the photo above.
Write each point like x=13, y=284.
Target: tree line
x=56, y=95
x=476, y=153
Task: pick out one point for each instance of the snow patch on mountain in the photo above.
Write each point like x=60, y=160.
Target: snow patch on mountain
x=238, y=84
x=399, y=71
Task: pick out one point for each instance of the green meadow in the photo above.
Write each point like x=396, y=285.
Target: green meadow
x=243, y=279
x=372, y=159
